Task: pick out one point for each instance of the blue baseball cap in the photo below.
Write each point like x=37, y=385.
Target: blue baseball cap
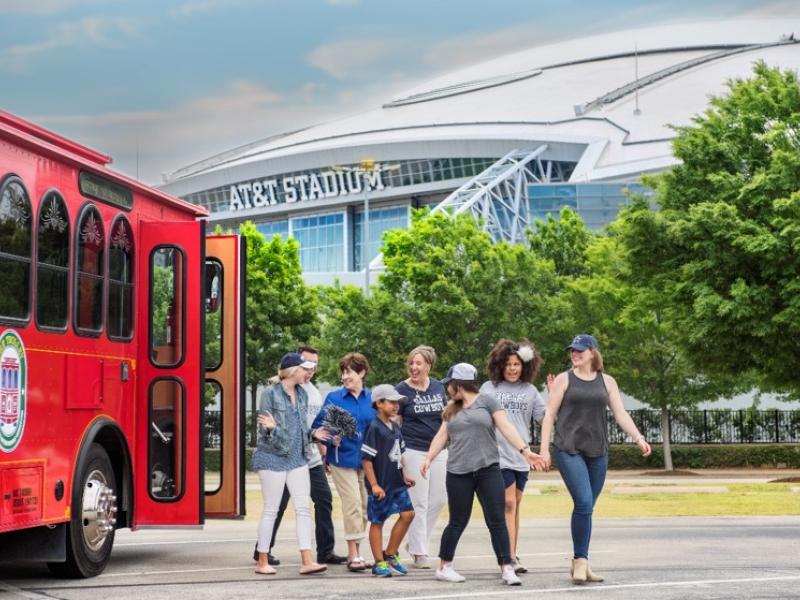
x=581, y=342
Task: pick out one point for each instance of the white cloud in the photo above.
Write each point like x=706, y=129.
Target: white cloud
x=355, y=59
x=175, y=137
x=41, y=7
x=199, y=7
x=101, y=32
x=466, y=50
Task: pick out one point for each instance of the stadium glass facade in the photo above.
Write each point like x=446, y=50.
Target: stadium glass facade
x=331, y=239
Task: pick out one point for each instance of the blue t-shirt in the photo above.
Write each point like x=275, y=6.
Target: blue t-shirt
x=384, y=447
x=421, y=413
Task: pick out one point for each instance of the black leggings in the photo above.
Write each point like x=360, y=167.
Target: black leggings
x=487, y=483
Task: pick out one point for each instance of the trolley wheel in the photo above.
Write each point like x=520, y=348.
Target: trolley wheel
x=90, y=532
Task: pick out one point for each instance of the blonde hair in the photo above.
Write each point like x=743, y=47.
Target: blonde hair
x=287, y=372
x=597, y=360
x=427, y=353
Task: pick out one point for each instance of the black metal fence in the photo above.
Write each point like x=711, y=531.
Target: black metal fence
x=719, y=426
x=746, y=426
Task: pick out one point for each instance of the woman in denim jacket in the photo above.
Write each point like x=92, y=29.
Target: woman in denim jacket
x=281, y=459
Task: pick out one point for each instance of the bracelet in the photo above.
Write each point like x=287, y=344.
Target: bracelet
x=638, y=439
x=522, y=450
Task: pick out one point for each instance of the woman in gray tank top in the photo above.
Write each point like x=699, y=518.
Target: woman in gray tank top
x=577, y=403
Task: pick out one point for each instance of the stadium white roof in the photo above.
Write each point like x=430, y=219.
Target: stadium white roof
x=582, y=91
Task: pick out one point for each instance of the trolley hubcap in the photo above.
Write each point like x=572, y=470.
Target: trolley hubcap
x=99, y=512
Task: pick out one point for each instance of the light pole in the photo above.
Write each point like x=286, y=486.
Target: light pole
x=364, y=167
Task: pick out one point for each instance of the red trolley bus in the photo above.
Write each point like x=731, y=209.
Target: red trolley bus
x=119, y=319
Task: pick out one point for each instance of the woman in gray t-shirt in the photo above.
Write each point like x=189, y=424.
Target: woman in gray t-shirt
x=512, y=367
x=472, y=467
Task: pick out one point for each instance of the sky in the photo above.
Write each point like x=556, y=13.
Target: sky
x=160, y=84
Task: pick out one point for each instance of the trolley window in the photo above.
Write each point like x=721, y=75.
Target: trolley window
x=89, y=272
x=167, y=306
x=15, y=250
x=120, y=280
x=52, y=262
x=166, y=448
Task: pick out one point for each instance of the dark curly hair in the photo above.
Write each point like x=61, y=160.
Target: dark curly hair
x=496, y=361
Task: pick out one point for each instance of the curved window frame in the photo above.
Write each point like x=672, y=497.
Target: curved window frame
x=50, y=328
x=7, y=180
x=182, y=425
x=219, y=310
x=150, y=332
x=131, y=283
x=84, y=331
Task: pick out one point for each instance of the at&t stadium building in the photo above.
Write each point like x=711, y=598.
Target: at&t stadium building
x=569, y=124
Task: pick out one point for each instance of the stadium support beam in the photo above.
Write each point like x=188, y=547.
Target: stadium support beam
x=498, y=196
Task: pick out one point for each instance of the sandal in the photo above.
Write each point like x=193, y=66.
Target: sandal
x=357, y=565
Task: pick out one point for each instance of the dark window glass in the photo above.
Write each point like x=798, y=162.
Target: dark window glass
x=212, y=433
x=90, y=235
x=120, y=280
x=15, y=249
x=52, y=262
x=166, y=306
x=213, y=315
x=166, y=443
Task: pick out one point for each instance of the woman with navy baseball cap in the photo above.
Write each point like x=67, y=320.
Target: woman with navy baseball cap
x=577, y=404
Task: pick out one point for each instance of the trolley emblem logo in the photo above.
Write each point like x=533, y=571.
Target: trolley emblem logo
x=13, y=390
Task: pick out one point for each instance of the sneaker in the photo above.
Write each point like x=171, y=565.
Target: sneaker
x=381, y=569
x=448, y=573
x=394, y=562
x=509, y=577
x=518, y=568
x=420, y=562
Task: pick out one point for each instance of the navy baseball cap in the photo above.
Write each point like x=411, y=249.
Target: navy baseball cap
x=293, y=359
x=581, y=342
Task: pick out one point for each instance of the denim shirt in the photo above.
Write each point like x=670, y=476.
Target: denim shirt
x=276, y=401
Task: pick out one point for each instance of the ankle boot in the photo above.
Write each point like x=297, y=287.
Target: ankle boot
x=593, y=577
x=578, y=570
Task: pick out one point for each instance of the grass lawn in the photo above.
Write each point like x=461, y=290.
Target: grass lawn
x=762, y=499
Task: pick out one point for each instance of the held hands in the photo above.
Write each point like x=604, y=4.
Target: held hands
x=266, y=420
x=378, y=492
x=545, y=456
x=536, y=461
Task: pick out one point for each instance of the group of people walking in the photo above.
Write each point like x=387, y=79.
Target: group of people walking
x=408, y=450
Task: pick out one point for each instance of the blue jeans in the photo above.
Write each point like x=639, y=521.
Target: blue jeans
x=487, y=484
x=584, y=477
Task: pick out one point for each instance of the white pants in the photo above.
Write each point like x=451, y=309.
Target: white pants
x=428, y=497
x=272, y=483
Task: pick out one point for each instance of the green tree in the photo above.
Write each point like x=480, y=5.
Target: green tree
x=724, y=246
x=565, y=241
x=638, y=336
x=448, y=285
x=281, y=309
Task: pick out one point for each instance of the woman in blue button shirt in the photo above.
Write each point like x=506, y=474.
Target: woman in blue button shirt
x=345, y=461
